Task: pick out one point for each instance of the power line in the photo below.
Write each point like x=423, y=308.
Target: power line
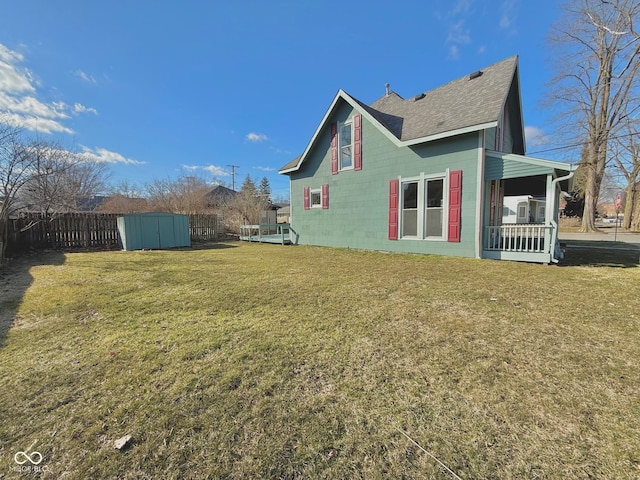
x=580, y=144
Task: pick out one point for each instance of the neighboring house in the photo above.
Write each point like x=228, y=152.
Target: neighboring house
x=220, y=196
x=283, y=214
x=427, y=174
x=523, y=209
x=269, y=214
x=608, y=210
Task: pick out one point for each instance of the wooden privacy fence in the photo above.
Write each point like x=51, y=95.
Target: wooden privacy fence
x=87, y=230
x=205, y=227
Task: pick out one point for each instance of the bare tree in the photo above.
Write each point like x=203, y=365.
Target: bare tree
x=597, y=81
x=635, y=199
x=125, y=198
x=62, y=181
x=247, y=207
x=626, y=155
x=16, y=168
x=82, y=181
x=188, y=195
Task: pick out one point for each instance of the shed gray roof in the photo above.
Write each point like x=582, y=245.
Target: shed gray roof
x=470, y=101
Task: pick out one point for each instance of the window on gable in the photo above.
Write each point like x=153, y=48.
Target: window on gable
x=316, y=198
x=346, y=146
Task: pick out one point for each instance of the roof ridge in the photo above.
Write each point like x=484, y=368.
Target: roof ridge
x=465, y=76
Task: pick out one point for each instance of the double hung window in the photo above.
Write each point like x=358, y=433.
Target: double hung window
x=423, y=207
x=316, y=198
x=346, y=147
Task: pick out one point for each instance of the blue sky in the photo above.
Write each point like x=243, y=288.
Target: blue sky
x=162, y=88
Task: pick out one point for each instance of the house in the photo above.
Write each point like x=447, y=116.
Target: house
x=221, y=196
x=283, y=214
x=523, y=209
x=428, y=174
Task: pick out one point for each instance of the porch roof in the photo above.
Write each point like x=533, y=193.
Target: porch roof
x=501, y=165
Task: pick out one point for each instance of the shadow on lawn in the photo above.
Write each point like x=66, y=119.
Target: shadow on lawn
x=600, y=254
x=212, y=245
x=15, y=279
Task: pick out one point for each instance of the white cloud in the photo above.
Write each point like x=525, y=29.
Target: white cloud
x=40, y=125
x=212, y=169
x=19, y=102
x=12, y=78
x=280, y=150
x=462, y=6
x=265, y=169
x=102, y=155
x=458, y=33
x=535, y=137
x=454, y=52
x=85, y=76
x=508, y=15
x=31, y=106
x=256, y=137
x=216, y=171
x=78, y=108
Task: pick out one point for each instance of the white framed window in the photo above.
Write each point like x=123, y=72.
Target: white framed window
x=410, y=209
x=423, y=204
x=522, y=213
x=315, y=198
x=434, y=208
x=345, y=146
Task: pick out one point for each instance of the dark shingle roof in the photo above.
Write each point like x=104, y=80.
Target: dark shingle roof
x=470, y=101
x=459, y=104
x=291, y=164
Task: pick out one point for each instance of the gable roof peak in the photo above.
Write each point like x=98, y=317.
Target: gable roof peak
x=474, y=99
x=470, y=103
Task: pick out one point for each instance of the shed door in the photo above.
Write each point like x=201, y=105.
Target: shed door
x=150, y=232
x=167, y=236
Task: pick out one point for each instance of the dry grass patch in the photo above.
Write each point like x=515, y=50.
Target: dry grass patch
x=261, y=361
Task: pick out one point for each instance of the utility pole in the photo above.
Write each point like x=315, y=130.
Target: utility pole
x=233, y=176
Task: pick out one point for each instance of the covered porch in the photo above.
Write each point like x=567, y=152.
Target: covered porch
x=521, y=207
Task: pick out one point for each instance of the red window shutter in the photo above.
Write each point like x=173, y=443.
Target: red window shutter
x=455, y=204
x=325, y=196
x=357, y=142
x=393, y=209
x=307, y=200
x=334, y=148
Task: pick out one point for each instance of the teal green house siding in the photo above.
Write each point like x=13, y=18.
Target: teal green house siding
x=465, y=138
x=358, y=211
x=499, y=168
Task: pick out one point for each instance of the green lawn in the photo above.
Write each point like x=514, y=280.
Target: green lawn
x=239, y=360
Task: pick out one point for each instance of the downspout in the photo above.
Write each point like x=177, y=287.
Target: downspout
x=554, y=224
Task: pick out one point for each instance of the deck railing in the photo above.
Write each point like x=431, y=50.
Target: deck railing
x=267, y=232
x=518, y=237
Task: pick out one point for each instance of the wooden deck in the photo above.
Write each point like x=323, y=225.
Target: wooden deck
x=268, y=233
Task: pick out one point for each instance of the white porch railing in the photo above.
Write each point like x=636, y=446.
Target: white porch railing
x=269, y=233
x=518, y=237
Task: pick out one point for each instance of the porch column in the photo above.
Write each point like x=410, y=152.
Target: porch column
x=550, y=203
